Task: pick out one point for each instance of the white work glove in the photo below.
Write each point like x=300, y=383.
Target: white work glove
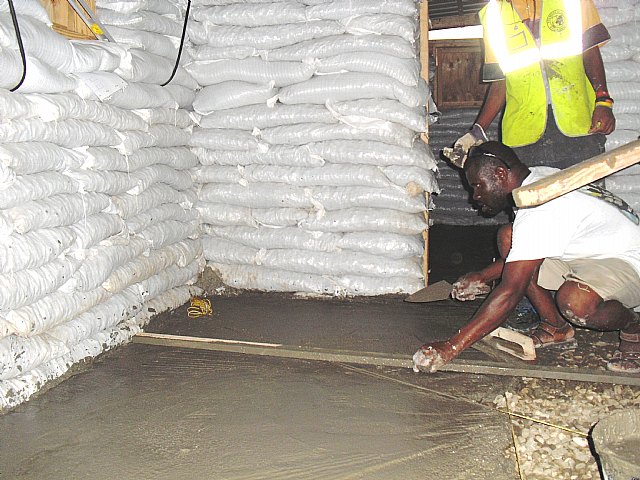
x=458, y=154
x=468, y=287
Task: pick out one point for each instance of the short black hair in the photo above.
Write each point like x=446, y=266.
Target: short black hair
x=497, y=151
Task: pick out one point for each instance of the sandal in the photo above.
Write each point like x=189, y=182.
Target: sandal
x=547, y=335
x=624, y=362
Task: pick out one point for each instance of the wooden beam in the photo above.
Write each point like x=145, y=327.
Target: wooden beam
x=455, y=21
x=381, y=359
x=424, y=73
x=577, y=176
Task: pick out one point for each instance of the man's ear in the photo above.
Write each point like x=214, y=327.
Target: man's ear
x=501, y=173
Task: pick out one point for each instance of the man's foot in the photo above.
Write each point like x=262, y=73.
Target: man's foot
x=524, y=319
x=627, y=358
x=546, y=335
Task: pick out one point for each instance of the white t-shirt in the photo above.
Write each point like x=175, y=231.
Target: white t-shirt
x=575, y=225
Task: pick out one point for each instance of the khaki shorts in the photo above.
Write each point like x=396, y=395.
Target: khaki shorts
x=611, y=278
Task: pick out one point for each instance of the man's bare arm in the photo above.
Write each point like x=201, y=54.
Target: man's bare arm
x=516, y=277
x=603, y=120
x=493, y=103
x=498, y=305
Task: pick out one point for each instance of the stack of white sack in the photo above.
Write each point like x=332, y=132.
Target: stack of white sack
x=621, y=58
x=313, y=175
x=97, y=232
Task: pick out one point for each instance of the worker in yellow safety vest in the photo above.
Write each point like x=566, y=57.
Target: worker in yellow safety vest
x=544, y=64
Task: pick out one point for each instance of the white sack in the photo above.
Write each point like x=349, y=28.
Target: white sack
x=260, y=195
x=235, y=37
x=127, y=205
x=225, y=139
x=142, y=20
x=353, y=86
x=59, y=210
x=161, y=213
x=252, y=15
x=358, y=111
x=34, y=157
x=52, y=310
x=252, y=70
x=95, y=228
x=104, y=158
x=231, y=94
x=405, y=70
x=337, y=44
x=35, y=186
x=327, y=175
x=339, y=9
x=21, y=288
x=279, y=217
x=301, y=134
x=147, y=67
x=178, y=118
x=66, y=133
x=286, y=155
x=262, y=116
x=40, y=77
x=367, y=219
x=34, y=249
x=383, y=24
x=373, y=153
x=224, y=215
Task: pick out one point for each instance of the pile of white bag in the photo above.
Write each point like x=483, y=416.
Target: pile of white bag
x=621, y=58
x=97, y=230
x=313, y=174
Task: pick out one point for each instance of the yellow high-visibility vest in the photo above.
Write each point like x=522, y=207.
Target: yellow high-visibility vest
x=522, y=61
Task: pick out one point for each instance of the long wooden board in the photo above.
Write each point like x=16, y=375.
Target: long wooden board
x=380, y=359
x=577, y=176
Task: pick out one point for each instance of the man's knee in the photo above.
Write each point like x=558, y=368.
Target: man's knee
x=504, y=239
x=577, y=302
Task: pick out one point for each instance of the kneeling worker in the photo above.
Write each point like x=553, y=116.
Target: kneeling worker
x=584, y=245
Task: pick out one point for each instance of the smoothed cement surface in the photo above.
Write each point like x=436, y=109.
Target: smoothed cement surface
x=147, y=412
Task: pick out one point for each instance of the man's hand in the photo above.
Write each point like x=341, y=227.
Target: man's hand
x=458, y=154
x=469, y=286
x=430, y=357
x=602, y=120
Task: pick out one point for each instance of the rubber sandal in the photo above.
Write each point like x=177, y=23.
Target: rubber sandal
x=630, y=337
x=554, y=336
x=624, y=362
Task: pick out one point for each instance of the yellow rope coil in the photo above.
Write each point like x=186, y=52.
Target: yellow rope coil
x=199, y=307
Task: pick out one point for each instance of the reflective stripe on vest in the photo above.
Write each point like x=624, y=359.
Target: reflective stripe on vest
x=514, y=45
x=525, y=65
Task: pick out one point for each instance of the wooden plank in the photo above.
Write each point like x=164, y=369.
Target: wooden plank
x=425, y=238
x=424, y=39
x=424, y=73
x=66, y=21
x=380, y=359
x=458, y=82
x=577, y=176
x=454, y=21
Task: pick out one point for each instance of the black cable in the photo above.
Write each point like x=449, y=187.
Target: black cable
x=184, y=31
x=14, y=18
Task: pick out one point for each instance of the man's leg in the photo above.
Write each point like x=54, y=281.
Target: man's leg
x=553, y=329
x=581, y=305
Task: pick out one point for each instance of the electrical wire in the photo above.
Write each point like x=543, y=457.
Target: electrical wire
x=14, y=18
x=184, y=32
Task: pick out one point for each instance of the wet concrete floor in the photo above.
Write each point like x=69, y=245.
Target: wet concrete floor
x=151, y=412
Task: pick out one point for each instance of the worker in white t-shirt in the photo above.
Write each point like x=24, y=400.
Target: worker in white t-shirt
x=584, y=245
